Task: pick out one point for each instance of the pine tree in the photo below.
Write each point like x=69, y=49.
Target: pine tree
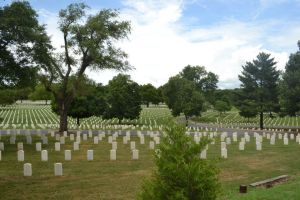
x=260, y=84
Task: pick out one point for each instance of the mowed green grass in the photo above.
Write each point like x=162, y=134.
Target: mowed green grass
x=82, y=179
x=233, y=117
x=121, y=179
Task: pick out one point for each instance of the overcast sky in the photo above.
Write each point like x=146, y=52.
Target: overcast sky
x=167, y=35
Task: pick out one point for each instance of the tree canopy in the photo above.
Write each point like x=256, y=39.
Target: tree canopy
x=260, y=81
x=182, y=96
x=149, y=94
x=123, y=98
x=20, y=35
x=88, y=43
x=290, y=85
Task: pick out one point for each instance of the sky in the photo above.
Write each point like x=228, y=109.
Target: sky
x=167, y=35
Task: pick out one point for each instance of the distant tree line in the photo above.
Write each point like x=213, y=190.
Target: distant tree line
x=30, y=69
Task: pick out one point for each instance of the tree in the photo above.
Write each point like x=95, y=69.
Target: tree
x=88, y=43
x=222, y=106
x=123, y=98
x=89, y=100
x=19, y=36
x=290, y=85
x=179, y=172
x=7, y=97
x=40, y=93
x=149, y=94
x=260, y=84
x=181, y=96
x=248, y=109
x=206, y=82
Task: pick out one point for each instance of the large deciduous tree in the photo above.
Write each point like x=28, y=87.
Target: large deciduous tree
x=290, y=85
x=149, y=94
x=123, y=98
x=206, y=82
x=260, y=81
x=88, y=43
x=182, y=96
x=20, y=34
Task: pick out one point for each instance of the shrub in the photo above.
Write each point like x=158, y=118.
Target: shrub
x=180, y=173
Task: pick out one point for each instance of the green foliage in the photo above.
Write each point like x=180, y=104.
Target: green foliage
x=89, y=44
x=205, y=82
x=260, y=81
x=149, y=94
x=180, y=173
x=222, y=106
x=7, y=97
x=19, y=37
x=249, y=109
x=40, y=93
x=181, y=96
x=290, y=85
x=123, y=98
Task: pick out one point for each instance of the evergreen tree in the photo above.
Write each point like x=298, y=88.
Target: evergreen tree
x=290, y=85
x=260, y=84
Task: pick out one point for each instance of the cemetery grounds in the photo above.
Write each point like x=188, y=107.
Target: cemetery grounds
x=103, y=178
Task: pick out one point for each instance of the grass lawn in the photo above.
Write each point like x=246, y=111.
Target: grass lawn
x=121, y=179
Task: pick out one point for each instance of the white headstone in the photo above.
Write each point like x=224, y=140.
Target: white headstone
x=38, y=146
x=57, y=146
x=292, y=136
x=272, y=140
x=62, y=140
x=57, y=136
x=114, y=145
x=223, y=145
x=65, y=134
x=96, y=140
x=75, y=146
x=203, y=154
x=135, y=154
x=286, y=141
x=20, y=155
x=151, y=144
x=90, y=155
x=142, y=139
x=27, y=169
x=45, y=140
x=110, y=139
x=20, y=145
x=125, y=140
x=44, y=155
x=72, y=137
x=78, y=139
x=132, y=145
x=68, y=155
x=224, y=153
x=90, y=134
x=84, y=137
x=0, y=155
x=242, y=146
x=58, y=170
x=113, y=154
x=258, y=146
x=228, y=140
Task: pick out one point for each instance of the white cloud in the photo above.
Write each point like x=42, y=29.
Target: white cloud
x=160, y=44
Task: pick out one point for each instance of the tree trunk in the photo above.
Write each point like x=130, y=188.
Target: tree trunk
x=147, y=104
x=186, y=120
x=46, y=101
x=63, y=117
x=78, y=121
x=261, y=119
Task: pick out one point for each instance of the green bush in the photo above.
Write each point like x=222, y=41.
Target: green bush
x=180, y=173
